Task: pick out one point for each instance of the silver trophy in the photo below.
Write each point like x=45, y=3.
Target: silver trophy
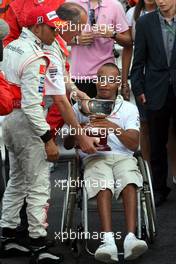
x=98, y=109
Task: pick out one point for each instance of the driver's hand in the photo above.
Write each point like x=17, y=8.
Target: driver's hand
x=87, y=144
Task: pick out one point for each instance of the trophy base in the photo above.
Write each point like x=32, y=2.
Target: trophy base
x=103, y=148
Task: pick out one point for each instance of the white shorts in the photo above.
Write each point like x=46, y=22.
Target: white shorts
x=112, y=172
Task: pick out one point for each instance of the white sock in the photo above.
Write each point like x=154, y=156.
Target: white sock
x=108, y=237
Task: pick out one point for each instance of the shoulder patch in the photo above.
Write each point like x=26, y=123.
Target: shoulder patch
x=42, y=69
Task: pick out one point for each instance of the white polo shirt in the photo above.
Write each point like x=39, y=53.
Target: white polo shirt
x=127, y=117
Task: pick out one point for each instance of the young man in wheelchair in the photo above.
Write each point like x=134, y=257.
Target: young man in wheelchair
x=112, y=167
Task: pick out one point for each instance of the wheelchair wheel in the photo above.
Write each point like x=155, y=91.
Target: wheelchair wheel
x=68, y=204
x=147, y=201
x=76, y=248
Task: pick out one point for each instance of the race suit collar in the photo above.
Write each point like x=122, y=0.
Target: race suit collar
x=27, y=34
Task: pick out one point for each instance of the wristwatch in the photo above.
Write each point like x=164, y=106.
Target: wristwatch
x=114, y=34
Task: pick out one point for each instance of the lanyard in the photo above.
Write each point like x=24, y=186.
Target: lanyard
x=89, y=8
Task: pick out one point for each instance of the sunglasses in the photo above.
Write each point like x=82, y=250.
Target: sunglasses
x=92, y=17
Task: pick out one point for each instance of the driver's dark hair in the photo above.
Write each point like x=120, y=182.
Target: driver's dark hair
x=70, y=12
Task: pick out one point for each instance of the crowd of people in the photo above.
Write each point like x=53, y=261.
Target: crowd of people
x=36, y=64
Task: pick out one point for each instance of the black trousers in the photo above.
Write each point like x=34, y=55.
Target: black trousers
x=87, y=86
x=159, y=122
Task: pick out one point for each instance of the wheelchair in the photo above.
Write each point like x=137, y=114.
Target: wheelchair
x=76, y=196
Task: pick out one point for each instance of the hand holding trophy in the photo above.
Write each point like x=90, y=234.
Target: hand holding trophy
x=98, y=110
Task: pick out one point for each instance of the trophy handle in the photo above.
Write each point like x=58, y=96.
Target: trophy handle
x=73, y=97
x=118, y=101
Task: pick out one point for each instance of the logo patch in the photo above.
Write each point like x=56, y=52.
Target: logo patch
x=53, y=71
x=40, y=20
x=42, y=80
x=42, y=69
x=40, y=89
x=52, y=15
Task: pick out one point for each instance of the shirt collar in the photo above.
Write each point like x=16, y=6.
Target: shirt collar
x=103, y=3
x=163, y=18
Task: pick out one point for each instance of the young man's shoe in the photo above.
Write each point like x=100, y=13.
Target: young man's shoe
x=134, y=247
x=107, y=252
x=41, y=253
x=11, y=246
x=174, y=179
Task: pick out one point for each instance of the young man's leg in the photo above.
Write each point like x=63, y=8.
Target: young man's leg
x=128, y=177
x=98, y=172
x=129, y=196
x=104, y=204
x=133, y=247
x=107, y=252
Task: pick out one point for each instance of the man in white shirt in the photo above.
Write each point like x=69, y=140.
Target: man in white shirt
x=115, y=172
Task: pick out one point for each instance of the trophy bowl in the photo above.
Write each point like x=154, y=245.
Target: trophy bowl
x=96, y=109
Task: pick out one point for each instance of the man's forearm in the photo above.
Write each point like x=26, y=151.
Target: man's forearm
x=129, y=138
x=137, y=79
x=70, y=86
x=126, y=62
x=66, y=111
x=124, y=39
